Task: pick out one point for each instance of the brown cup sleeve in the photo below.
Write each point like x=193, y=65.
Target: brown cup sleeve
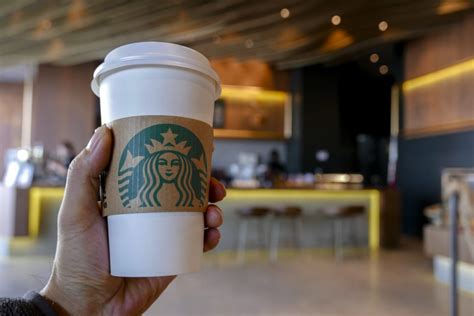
x=159, y=164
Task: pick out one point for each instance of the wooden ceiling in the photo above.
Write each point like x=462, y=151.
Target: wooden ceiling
x=72, y=32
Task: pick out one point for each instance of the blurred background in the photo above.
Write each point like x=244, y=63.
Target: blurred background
x=340, y=128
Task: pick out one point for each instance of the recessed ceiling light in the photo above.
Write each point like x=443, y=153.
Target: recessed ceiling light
x=374, y=58
x=216, y=39
x=336, y=20
x=249, y=43
x=285, y=13
x=383, y=26
x=383, y=69
x=45, y=24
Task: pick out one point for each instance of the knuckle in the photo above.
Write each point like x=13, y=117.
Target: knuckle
x=78, y=165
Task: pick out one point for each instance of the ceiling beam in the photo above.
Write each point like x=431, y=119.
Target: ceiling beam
x=47, y=31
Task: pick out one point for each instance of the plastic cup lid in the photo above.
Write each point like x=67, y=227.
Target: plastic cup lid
x=155, y=53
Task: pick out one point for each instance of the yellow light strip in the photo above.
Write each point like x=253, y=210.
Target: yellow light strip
x=236, y=133
x=374, y=220
x=372, y=196
x=253, y=93
x=36, y=197
x=299, y=193
x=439, y=75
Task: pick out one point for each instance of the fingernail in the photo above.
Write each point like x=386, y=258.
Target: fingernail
x=98, y=133
x=220, y=212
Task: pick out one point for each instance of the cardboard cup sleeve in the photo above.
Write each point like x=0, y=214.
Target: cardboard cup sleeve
x=159, y=164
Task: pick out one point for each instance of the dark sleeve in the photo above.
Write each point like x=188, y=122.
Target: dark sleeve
x=32, y=304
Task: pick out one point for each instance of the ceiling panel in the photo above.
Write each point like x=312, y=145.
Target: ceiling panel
x=286, y=33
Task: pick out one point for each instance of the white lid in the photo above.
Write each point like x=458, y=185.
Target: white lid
x=155, y=53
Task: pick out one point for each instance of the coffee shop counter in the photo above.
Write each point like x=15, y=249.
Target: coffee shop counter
x=31, y=216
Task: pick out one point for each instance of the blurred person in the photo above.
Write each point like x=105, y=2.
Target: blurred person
x=275, y=165
x=80, y=283
x=276, y=170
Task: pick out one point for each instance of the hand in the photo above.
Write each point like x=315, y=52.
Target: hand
x=80, y=283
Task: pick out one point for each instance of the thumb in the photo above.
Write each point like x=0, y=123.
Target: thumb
x=82, y=185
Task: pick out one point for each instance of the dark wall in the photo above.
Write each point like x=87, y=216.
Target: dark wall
x=419, y=172
x=365, y=103
x=433, y=108
x=320, y=120
x=338, y=104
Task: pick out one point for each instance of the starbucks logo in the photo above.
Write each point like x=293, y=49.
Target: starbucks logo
x=163, y=165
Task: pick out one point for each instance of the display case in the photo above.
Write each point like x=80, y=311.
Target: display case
x=252, y=113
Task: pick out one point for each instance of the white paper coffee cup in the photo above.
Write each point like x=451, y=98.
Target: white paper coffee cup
x=145, y=80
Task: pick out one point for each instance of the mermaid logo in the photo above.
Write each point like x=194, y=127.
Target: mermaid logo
x=163, y=165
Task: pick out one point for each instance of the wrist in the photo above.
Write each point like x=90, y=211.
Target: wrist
x=55, y=300
x=66, y=300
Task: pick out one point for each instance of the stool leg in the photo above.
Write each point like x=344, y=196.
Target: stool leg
x=338, y=231
x=274, y=239
x=360, y=231
x=262, y=233
x=296, y=229
x=242, y=241
x=268, y=230
x=294, y=241
x=299, y=227
x=364, y=234
x=353, y=231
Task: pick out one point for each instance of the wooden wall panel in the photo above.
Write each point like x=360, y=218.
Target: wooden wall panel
x=63, y=105
x=442, y=49
x=446, y=105
x=11, y=98
x=253, y=73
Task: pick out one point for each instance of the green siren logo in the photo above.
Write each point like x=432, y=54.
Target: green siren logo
x=163, y=165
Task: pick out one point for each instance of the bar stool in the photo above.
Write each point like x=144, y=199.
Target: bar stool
x=246, y=215
x=292, y=213
x=339, y=216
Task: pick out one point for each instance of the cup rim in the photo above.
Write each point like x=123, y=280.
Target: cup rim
x=169, y=60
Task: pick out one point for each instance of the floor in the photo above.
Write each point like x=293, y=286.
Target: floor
x=306, y=282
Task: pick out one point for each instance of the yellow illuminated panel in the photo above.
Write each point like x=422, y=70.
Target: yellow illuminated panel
x=253, y=94
x=439, y=75
x=372, y=196
x=237, y=133
x=36, y=197
x=374, y=220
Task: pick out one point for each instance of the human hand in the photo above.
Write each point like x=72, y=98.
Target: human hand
x=80, y=283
